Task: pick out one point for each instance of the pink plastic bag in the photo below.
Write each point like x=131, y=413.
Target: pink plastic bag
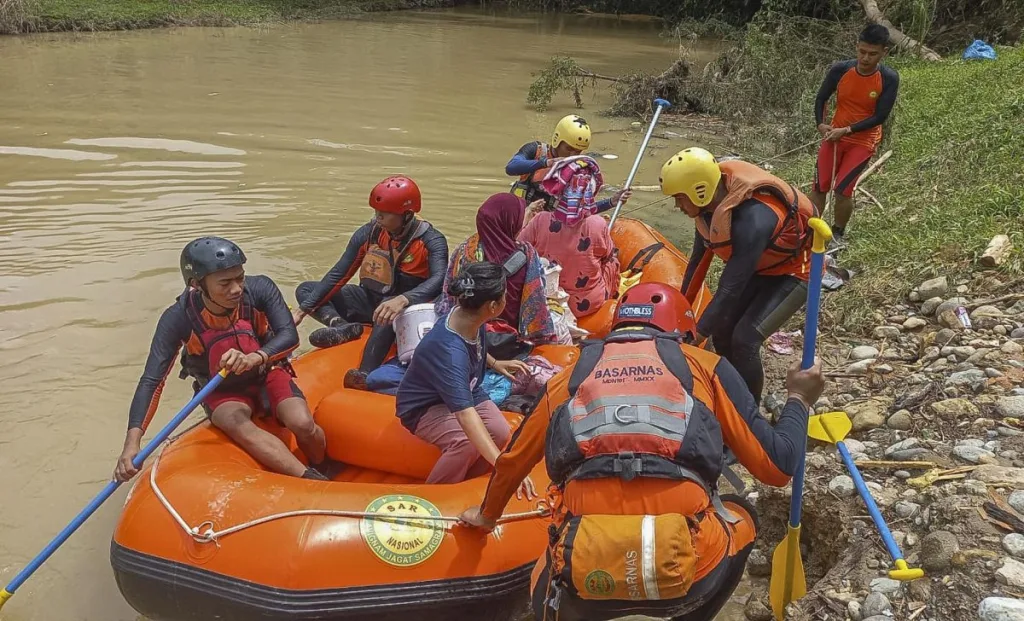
x=533, y=384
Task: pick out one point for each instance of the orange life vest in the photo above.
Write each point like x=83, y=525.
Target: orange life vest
x=208, y=343
x=788, y=252
x=382, y=260
x=632, y=413
x=528, y=186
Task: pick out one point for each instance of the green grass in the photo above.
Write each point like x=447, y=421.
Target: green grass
x=955, y=179
x=62, y=15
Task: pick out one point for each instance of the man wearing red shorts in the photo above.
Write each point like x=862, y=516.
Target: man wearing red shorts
x=865, y=93
x=227, y=320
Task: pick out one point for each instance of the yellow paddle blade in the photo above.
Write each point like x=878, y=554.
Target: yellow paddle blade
x=788, y=582
x=4, y=596
x=831, y=427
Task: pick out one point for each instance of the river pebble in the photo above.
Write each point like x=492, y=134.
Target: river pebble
x=1014, y=544
x=1010, y=407
x=900, y=421
x=937, y=550
x=885, y=586
x=842, y=486
x=1001, y=609
x=1011, y=573
x=1016, y=501
x=875, y=604
x=914, y=323
x=933, y=288
x=886, y=332
x=863, y=352
x=906, y=509
x=928, y=306
x=974, y=454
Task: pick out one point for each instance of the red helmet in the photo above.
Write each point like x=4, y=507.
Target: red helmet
x=396, y=195
x=659, y=305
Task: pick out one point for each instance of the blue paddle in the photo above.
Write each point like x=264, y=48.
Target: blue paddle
x=788, y=581
x=109, y=490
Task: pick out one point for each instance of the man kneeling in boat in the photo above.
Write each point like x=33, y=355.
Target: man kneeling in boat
x=227, y=320
x=401, y=261
x=757, y=224
x=632, y=436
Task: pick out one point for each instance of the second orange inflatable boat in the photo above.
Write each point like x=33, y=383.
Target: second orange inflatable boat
x=219, y=537
x=646, y=251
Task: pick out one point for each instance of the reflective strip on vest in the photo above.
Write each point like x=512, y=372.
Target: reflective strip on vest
x=648, y=567
x=635, y=414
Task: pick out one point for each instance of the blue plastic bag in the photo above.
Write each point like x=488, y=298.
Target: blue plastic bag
x=979, y=50
x=497, y=386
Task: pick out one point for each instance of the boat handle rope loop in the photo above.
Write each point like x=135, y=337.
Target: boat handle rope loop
x=206, y=532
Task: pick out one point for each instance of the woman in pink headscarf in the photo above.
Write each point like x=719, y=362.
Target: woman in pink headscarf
x=575, y=237
x=498, y=222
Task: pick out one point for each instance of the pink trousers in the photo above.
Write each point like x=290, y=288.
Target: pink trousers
x=459, y=458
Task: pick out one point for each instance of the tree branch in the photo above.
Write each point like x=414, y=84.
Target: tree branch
x=901, y=40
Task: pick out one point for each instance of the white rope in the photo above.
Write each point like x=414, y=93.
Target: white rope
x=206, y=533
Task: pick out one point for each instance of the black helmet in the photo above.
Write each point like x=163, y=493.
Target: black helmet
x=207, y=255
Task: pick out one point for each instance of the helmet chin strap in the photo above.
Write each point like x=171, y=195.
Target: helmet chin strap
x=208, y=301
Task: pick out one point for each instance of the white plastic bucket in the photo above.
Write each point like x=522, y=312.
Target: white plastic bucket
x=411, y=325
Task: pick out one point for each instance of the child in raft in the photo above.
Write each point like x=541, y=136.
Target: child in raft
x=575, y=237
x=441, y=398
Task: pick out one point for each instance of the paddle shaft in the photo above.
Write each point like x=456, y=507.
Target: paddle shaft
x=810, y=343
x=810, y=340
x=109, y=490
x=660, y=104
x=865, y=494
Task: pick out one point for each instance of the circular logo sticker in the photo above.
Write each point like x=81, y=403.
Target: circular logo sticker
x=400, y=536
x=599, y=582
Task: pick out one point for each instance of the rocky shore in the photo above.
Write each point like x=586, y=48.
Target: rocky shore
x=935, y=392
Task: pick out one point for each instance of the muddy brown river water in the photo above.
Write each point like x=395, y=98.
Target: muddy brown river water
x=116, y=149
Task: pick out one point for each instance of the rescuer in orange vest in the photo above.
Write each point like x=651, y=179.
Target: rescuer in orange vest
x=757, y=224
x=633, y=434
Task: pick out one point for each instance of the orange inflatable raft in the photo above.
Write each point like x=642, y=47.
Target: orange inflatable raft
x=643, y=249
x=206, y=533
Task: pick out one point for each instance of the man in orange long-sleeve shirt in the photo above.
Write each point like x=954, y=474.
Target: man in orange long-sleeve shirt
x=865, y=93
x=632, y=436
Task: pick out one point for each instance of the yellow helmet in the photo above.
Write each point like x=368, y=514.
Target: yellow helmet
x=693, y=172
x=572, y=130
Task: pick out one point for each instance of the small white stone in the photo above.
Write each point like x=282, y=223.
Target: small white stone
x=1014, y=544
x=842, y=486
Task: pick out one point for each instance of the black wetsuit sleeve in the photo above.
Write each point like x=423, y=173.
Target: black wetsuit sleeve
x=171, y=333
x=696, y=255
x=267, y=297
x=771, y=454
x=343, y=270
x=753, y=224
x=828, y=88
x=885, y=103
x=437, y=261
x=525, y=161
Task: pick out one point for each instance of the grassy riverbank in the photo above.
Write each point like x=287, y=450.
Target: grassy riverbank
x=77, y=15
x=954, y=181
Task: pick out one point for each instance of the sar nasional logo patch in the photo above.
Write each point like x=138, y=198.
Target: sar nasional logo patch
x=400, y=536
